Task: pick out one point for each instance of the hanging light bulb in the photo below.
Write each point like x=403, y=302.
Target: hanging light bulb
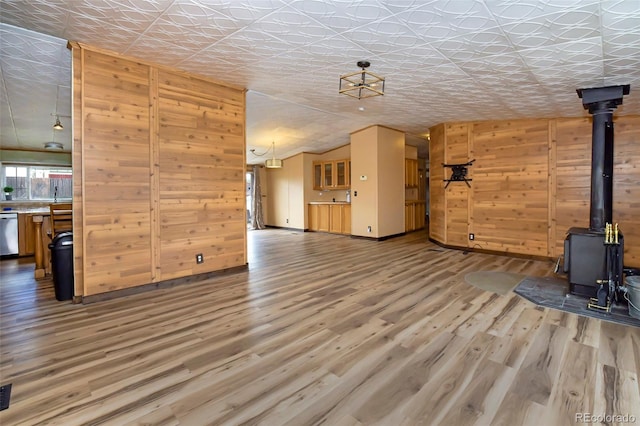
x=58, y=125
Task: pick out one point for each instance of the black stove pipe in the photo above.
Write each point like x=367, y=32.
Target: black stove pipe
x=601, y=171
x=601, y=102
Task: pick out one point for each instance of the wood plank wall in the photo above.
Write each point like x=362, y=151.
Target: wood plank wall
x=437, y=198
x=116, y=194
x=161, y=156
x=510, y=196
x=456, y=152
x=531, y=183
x=78, y=172
x=626, y=193
x=202, y=171
x=573, y=178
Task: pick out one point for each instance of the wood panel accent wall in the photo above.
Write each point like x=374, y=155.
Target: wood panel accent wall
x=574, y=181
x=116, y=196
x=77, y=60
x=510, y=196
x=531, y=183
x=573, y=178
x=437, y=198
x=201, y=173
x=158, y=173
x=456, y=152
x=626, y=192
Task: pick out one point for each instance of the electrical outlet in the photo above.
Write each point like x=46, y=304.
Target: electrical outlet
x=287, y=220
x=368, y=228
x=472, y=237
x=199, y=258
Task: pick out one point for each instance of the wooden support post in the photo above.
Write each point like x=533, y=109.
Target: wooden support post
x=39, y=249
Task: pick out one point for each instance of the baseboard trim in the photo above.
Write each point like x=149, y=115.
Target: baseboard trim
x=386, y=237
x=286, y=228
x=161, y=284
x=494, y=252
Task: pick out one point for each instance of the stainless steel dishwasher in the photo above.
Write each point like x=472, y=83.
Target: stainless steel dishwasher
x=8, y=233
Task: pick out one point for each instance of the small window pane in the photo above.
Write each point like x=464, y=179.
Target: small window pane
x=39, y=182
x=16, y=177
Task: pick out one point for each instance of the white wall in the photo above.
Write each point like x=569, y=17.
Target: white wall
x=377, y=185
x=286, y=203
x=364, y=182
x=391, y=155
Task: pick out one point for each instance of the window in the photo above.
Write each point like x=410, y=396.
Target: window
x=38, y=182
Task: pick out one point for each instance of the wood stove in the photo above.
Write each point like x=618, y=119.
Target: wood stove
x=585, y=254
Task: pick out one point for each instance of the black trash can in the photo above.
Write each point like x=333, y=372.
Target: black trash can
x=62, y=265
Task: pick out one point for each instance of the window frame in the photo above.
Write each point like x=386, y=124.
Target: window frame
x=30, y=167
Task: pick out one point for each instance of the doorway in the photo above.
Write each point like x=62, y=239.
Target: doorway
x=249, y=195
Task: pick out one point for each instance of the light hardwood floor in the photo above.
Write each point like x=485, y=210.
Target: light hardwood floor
x=321, y=329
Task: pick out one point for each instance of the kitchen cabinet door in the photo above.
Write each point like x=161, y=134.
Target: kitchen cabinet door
x=335, y=221
x=346, y=219
x=317, y=175
x=327, y=177
x=341, y=174
x=323, y=217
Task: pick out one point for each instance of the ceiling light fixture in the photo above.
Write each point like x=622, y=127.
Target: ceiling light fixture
x=361, y=84
x=58, y=125
x=273, y=162
x=53, y=145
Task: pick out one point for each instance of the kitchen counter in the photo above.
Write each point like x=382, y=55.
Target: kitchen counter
x=329, y=202
x=23, y=210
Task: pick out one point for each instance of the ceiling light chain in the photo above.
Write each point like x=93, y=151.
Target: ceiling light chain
x=361, y=84
x=273, y=162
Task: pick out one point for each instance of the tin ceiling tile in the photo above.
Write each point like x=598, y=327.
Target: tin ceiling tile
x=454, y=54
x=475, y=45
x=507, y=11
x=554, y=28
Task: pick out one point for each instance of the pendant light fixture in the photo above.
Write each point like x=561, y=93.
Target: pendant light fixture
x=53, y=145
x=58, y=125
x=361, y=84
x=273, y=162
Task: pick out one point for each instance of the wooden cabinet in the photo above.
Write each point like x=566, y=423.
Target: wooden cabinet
x=330, y=217
x=26, y=234
x=317, y=175
x=319, y=217
x=414, y=215
x=346, y=219
x=335, y=218
x=341, y=174
x=411, y=176
x=329, y=175
x=323, y=218
x=313, y=217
